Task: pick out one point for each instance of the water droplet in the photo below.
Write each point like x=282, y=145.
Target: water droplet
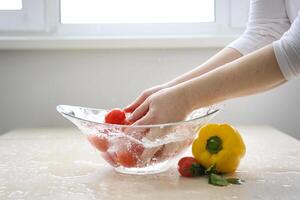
x=261, y=180
x=2, y=188
x=286, y=185
x=292, y=172
x=16, y=195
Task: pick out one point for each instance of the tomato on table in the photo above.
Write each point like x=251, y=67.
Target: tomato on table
x=99, y=142
x=189, y=167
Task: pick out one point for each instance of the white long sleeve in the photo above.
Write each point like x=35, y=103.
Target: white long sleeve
x=267, y=22
x=287, y=51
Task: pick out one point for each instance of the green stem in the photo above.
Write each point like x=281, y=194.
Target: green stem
x=214, y=144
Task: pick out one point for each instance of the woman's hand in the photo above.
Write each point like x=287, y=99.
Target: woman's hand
x=143, y=96
x=165, y=106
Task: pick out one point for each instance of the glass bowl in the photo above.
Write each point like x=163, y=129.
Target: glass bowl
x=146, y=149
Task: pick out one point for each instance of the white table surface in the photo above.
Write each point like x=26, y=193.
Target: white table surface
x=60, y=164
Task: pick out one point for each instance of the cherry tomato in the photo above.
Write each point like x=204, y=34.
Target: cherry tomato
x=159, y=152
x=158, y=156
x=110, y=158
x=126, y=159
x=128, y=154
x=136, y=149
x=99, y=142
x=189, y=167
x=115, y=116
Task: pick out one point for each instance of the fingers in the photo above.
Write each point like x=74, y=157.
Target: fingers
x=146, y=120
x=140, y=99
x=136, y=103
x=139, y=112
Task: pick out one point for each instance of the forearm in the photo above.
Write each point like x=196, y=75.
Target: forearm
x=224, y=56
x=250, y=74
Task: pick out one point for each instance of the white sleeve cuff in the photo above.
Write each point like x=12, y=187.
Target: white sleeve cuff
x=241, y=45
x=282, y=60
x=250, y=41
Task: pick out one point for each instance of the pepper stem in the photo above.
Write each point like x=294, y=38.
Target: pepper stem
x=214, y=144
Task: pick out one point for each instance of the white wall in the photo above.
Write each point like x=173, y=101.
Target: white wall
x=32, y=83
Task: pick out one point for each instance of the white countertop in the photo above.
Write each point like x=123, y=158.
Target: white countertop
x=60, y=164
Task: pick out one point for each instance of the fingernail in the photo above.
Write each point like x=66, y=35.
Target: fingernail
x=127, y=108
x=124, y=108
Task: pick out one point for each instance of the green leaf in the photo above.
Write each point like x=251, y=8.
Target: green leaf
x=214, y=178
x=217, y=180
x=235, y=181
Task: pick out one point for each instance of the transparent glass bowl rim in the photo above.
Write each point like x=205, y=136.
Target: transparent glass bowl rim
x=211, y=110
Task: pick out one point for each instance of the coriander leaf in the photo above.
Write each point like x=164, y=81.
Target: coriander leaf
x=217, y=180
x=235, y=181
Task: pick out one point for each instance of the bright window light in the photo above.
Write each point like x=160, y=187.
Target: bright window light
x=10, y=4
x=136, y=11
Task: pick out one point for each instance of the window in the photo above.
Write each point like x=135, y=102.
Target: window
x=10, y=4
x=136, y=11
x=147, y=18
x=111, y=21
x=22, y=15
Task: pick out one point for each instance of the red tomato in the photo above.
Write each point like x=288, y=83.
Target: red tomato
x=136, y=149
x=159, y=152
x=157, y=157
x=99, y=142
x=189, y=167
x=128, y=152
x=115, y=116
x=110, y=158
x=126, y=159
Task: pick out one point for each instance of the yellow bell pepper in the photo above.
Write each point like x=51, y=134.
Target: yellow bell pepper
x=220, y=145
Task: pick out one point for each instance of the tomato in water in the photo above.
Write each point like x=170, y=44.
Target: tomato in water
x=126, y=159
x=129, y=154
x=99, y=142
x=110, y=158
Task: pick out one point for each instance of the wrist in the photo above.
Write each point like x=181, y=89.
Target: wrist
x=188, y=98
x=196, y=95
